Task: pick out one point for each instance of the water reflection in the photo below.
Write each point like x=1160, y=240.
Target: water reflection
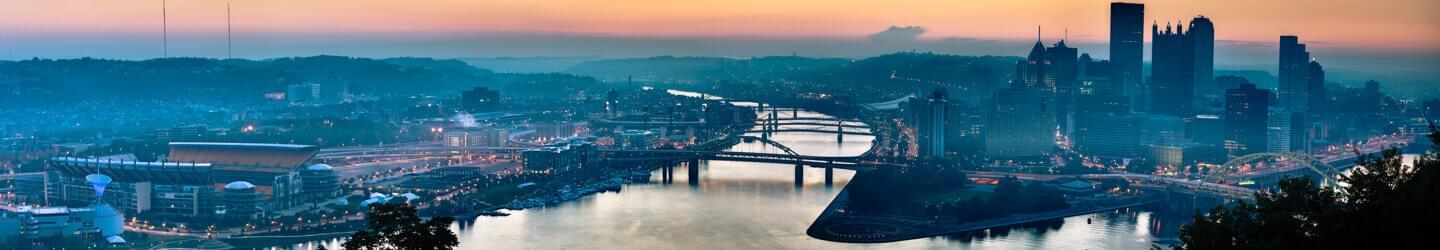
x=739, y=205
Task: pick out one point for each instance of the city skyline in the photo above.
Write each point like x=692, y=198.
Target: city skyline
x=197, y=27
x=803, y=124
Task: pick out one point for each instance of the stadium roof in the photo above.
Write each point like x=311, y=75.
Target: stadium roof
x=284, y=156
x=136, y=171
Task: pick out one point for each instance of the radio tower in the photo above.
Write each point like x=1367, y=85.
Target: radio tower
x=228, y=44
x=164, y=31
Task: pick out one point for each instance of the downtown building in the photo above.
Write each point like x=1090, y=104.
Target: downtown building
x=1173, y=71
x=1020, y=120
x=1246, y=118
x=1301, y=92
x=929, y=115
x=1102, y=124
x=1020, y=123
x=1127, y=51
x=559, y=157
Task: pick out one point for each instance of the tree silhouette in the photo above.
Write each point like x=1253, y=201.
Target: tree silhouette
x=398, y=226
x=1386, y=206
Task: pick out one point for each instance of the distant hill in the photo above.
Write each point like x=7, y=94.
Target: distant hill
x=78, y=79
x=1260, y=78
x=527, y=64
x=402, y=76
x=700, y=69
x=912, y=71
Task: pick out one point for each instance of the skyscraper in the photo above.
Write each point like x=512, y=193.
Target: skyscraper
x=1315, y=77
x=1020, y=123
x=1173, y=71
x=1202, y=34
x=1246, y=116
x=1127, y=48
x=1294, y=71
x=1036, y=70
x=1065, y=60
x=1278, y=131
x=929, y=114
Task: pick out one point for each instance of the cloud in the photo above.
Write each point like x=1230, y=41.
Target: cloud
x=896, y=34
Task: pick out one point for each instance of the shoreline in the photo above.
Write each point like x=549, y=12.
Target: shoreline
x=884, y=229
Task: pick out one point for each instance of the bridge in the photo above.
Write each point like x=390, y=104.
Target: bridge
x=813, y=130
x=810, y=123
x=1146, y=181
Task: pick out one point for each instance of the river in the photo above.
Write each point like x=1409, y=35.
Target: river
x=738, y=205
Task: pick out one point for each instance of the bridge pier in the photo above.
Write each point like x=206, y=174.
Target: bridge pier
x=694, y=172
x=667, y=174
x=829, y=176
x=799, y=175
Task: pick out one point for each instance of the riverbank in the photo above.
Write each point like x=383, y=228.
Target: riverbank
x=840, y=225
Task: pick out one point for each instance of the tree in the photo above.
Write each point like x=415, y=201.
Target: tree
x=397, y=226
x=1142, y=165
x=1386, y=206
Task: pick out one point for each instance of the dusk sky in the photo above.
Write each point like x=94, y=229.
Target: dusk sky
x=1390, y=31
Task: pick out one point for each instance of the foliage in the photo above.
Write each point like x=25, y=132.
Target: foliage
x=398, y=226
x=1385, y=206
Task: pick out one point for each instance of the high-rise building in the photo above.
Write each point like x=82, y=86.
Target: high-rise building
x=1114, y=135
x=1278, y=132
x=1319, y=98
x=964, y=125
x=1202, y=34
x=1294, y=70
x=1206, y=129
x=1173, y=71
x=929, y=114
x=1020, y=123
x=1127, y=48
x=1065, y=60
x=1161, y=129
x=1246, y=117
x=1036, y=71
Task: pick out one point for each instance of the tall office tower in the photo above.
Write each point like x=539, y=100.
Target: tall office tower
x=1246, y=116
x=1319, y=98
x=1104, y=126
x=1172, y=71
x=1278, y=132
x=1294, y=71
x=930, y=113
x=1036, y=71
x=1065, y=60
x=1095, y=77
x=1020, y=123
x=1127, y=49
x=963, y=126
x=1202, y=33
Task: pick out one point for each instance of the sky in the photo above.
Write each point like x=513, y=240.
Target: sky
x=1399, y=34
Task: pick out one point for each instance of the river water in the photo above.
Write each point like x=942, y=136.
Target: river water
x=739, y=205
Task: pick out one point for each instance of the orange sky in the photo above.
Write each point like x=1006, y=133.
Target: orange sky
x=1397, y=24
